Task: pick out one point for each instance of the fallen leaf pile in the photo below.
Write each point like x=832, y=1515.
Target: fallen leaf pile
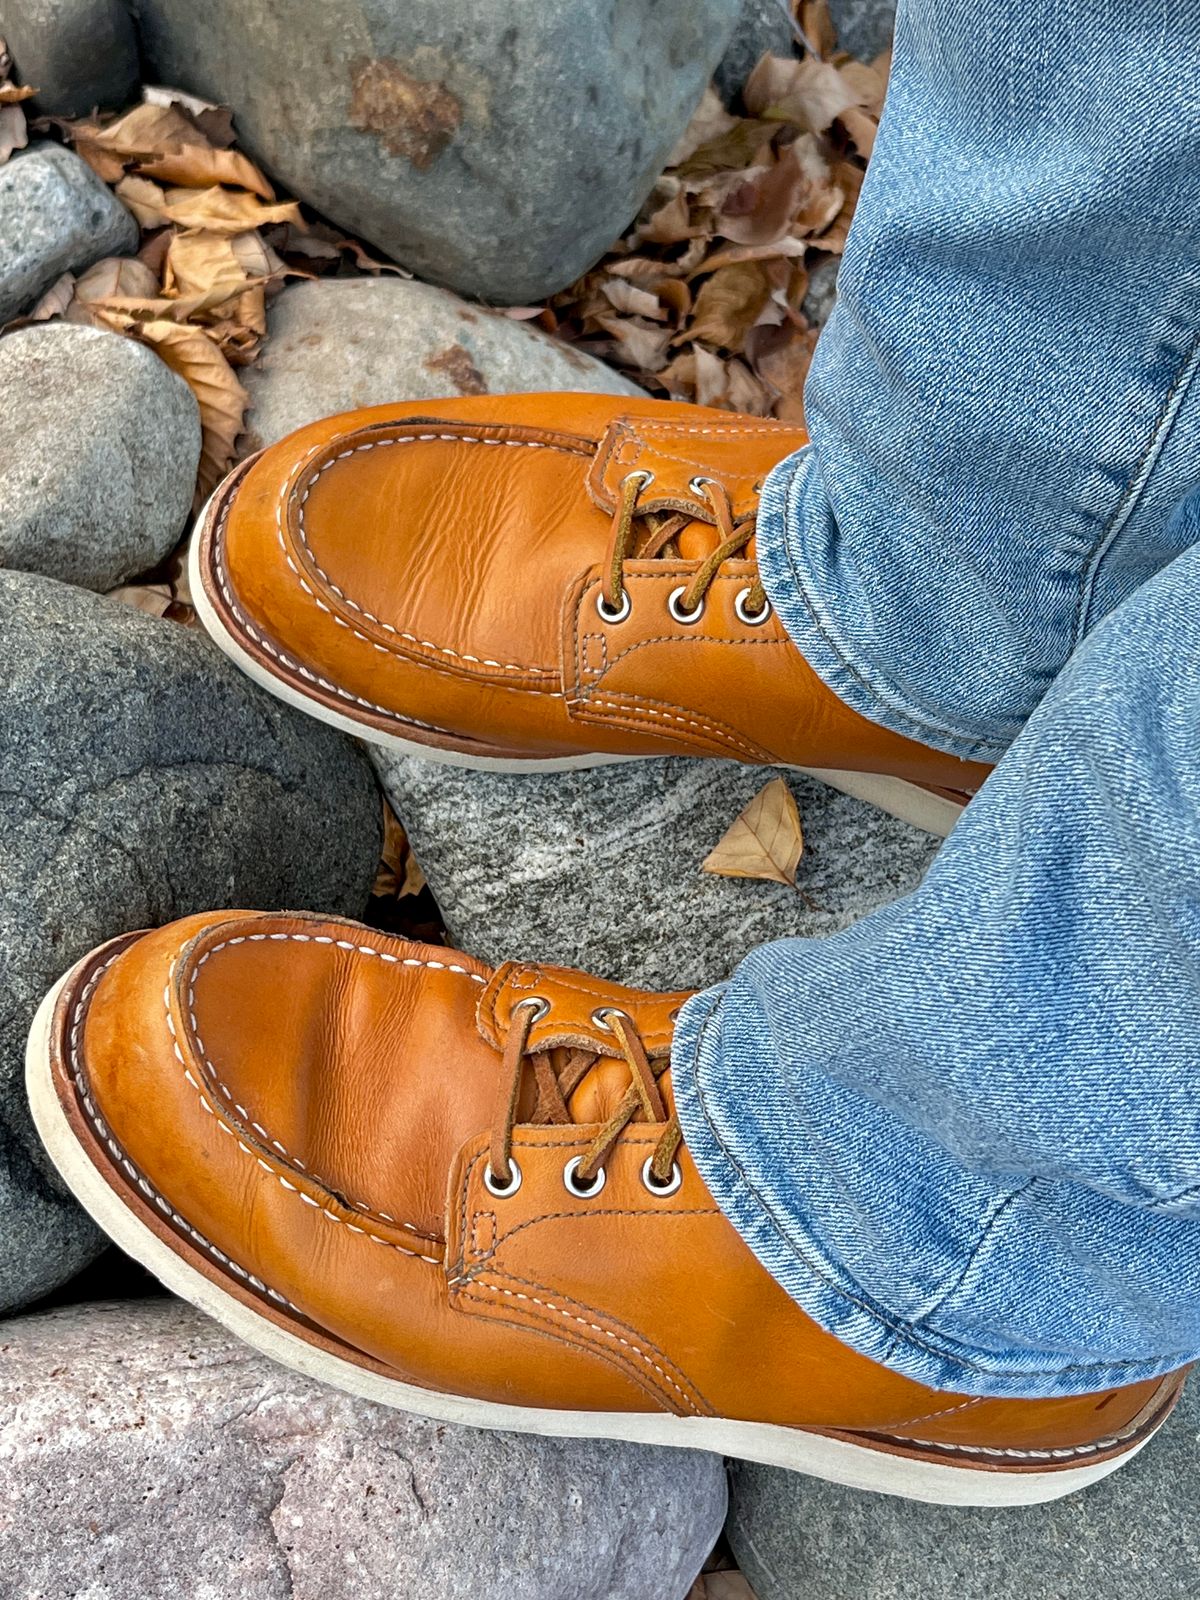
x=703, y=299
x=215, y=242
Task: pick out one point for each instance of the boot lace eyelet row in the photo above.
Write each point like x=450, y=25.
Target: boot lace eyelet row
x=686, y=604
x=557, y=1073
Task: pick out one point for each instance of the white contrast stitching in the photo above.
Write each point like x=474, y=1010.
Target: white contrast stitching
x=101, y=1129
x=1064, y=1454
x=285, y=496
x=282, y=656
x=297, y=938
x=596, y=1327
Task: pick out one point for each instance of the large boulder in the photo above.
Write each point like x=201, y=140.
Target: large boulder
x=141, y=778
x=337, y=343
x=145, y=1452
x=55, y=217
x=499, y=148
x=77, y=54
x=1136, y=1536
x=601, y=868
x=99, y=443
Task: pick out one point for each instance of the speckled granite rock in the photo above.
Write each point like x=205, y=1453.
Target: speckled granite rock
x=77, y=54
x=141, y=778
x=55, y=217
x=864, y=27
x=601, y=869
x=763, y=26
x=340, y=343
x=498, y=149
x=99, y=442
x=145, y=1454
x=1136, y=1536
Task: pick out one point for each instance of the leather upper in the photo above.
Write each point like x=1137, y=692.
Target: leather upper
x=307, y=1105
x=435, y=569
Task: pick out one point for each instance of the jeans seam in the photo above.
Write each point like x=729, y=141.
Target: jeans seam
x=901, y=1332
x=901, y=706
x=1129, y=501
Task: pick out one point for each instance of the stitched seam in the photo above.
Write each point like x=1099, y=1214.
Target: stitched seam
x=643, y=709
x=1064, y=1454
x=597, y=1327
x=215, y=1078
x=290, y=489
x=218, y=570
x=545, y=1328
x=460, y=1278
x=582, y=703
x=662, y=1214
x=1160, y=433
x=947, y=1411
x=307, y=1199
x=590, y=991
x=903, y=1331
x=102, y=1131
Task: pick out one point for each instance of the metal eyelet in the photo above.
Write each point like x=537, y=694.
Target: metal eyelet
x=680, y=615
x=606, y=614
x=602, y=1013
x=696, y=484
x=752, y=619
x=531, y=1000
x=661, y=1190
x=578, y=1190
x=643, y=474
x=502, y=1191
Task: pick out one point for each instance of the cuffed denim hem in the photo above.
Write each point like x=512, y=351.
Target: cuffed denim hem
x=794, y=590
x=821, y=1286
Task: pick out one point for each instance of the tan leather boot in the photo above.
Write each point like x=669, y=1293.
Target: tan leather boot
x=464, y=1192
x=537, y=581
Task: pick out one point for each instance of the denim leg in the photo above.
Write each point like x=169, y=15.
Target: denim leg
x=1002, y=408
x=965, y=1133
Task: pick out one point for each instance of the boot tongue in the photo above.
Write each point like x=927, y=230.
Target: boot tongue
x=600, y=1092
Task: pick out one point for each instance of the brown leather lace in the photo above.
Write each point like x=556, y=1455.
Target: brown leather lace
x=557, y=1074
x=716, y=508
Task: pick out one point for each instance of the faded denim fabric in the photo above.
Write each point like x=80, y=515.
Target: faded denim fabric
x=965, y=1134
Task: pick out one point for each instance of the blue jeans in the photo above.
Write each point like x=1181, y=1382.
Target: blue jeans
x=965, y=1134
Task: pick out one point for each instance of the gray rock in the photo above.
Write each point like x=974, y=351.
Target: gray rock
x=864, y=27
x=77, y=54
x=145, y=1452
x=763, y=26
x=601, y=869
x=822, y=291
x=55, y=217
x=141, y=778
x=99, y=443
x=343, y=342
x=1136, y=1536
x=499, y=149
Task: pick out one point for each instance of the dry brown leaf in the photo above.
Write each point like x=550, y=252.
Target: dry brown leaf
x=218, y=210
x=642, y=346
x=221, y=398
x=55, y=300
x=159, y=141
x=626, y=296
x=816, y=25
x=116, y=276
x=729, y=303
x=738, y=148
x=809, y=93
x=152, y=598
x=11, y=94
x=709, y=121
x=766, y=841
x=14, y=134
